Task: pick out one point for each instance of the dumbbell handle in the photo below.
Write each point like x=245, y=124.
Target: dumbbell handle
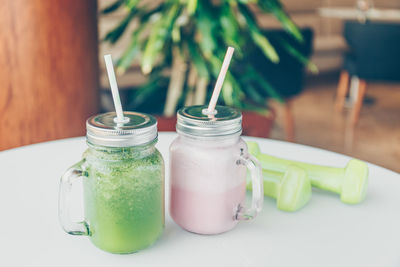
x=323, y=177
x=271, y=181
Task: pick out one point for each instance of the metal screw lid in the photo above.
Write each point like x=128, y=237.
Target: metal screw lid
x=139, y=129
x=194, y=120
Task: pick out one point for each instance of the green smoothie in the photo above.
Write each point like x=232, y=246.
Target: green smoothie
x=124, y=197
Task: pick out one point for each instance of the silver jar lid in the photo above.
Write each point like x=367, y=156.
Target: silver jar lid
x=103, y=130
x=194, y=120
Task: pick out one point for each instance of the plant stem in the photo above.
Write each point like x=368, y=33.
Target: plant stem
x=191, y=84
x=176, y=82
x=271, y=181
x=201, y=91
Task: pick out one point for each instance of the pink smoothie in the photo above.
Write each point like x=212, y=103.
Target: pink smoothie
x=207, y=184
x=206, y=213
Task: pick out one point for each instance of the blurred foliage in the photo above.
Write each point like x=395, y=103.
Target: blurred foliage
x=184, y=42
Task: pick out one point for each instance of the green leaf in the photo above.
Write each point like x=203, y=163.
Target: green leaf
x=145, y=91
x=114, y=6
x=131, y=4
x=133, y=49
x=198, y=60
x=160, y=32
x=215, y=64
x=262, y=42
x=191, y=6
x=288, y=24
x=253, y=75
x=115, y=34
x=205, y=26
x=259, y=39
x=278, y=10
x=176, y=33
x=237, y=91
x=268, y=88
x=253, y=94
x=229, y=26
x=299, y=56
x=227, y=92
x=129, y=54
x=238, y=96
x=247, y=1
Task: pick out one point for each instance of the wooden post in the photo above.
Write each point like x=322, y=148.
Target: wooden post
x=355, y=113
x=289, y=121
x=342, y=90
x=49, y=69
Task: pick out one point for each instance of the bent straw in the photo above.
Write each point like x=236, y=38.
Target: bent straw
x=114, y=90
x=220, y=80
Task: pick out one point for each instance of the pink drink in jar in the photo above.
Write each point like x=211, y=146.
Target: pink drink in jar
x=208, y=171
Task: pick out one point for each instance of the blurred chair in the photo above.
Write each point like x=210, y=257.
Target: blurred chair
x=374, y=56
x=286, y=77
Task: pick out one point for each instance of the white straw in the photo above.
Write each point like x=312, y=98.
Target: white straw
x=114, y=89
x=220, y=80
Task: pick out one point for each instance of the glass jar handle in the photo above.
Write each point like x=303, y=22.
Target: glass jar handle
x=257, y=201
x=72, y=175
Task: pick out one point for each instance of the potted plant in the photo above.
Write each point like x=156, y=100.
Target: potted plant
x=180, y=45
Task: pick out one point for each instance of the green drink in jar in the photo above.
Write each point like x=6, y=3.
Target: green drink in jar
x=123, y=180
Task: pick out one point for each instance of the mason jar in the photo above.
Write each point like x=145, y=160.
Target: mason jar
x=123, y=184
x=208, y=162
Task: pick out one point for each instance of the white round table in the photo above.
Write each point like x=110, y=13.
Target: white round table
x=324, y=233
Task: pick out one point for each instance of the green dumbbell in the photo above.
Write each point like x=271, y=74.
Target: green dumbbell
x=292, y=189
x=350, y=182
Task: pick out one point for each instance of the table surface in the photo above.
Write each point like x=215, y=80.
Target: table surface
x=353, y=13
x=324, y=233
